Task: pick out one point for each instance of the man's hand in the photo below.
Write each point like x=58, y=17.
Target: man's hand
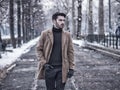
x=48, y=66
x=70, y=73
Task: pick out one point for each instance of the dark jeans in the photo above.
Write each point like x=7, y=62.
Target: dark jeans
x=53, y=79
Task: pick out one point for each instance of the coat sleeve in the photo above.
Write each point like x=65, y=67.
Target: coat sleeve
x=39, y=48
x=70, y=53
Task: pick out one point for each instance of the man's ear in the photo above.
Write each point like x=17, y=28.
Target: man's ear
x=53, y=21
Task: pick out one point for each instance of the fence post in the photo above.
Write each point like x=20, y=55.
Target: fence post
x=113, y=40
x=110, y=39
x=107, y=40
x=116, y=42
x=119, y=42
x=104, y=40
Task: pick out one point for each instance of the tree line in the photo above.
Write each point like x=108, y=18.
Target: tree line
x=24, y=19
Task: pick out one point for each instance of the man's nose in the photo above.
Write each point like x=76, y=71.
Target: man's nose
x=63, y=22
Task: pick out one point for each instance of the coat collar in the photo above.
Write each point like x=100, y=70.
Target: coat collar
x=50, y=34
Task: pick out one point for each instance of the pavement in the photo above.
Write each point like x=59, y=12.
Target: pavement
x=93, y=71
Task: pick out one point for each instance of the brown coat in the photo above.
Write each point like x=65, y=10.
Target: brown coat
x=44, y=48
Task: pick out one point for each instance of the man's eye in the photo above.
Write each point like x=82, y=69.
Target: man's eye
x=61, y=20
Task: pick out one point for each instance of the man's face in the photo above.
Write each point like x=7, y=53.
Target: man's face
x=59, y=22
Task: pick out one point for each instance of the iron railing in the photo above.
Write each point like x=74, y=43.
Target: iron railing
x=106, y=40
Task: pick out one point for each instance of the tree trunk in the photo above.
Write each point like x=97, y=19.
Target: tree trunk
x=79, y=18
x=28, y=20
x=90, y=19
x=11, y=18
x=101, y=17
x=73, y=21
x=33, y=26
x=90, y=22
x=19, y=22
x=23, y=22
x=26, y=28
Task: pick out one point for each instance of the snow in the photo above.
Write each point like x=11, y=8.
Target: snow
x=9, y=57
x=79, y=42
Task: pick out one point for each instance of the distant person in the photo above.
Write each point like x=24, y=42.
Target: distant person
x=55, y=54
x=117, y=32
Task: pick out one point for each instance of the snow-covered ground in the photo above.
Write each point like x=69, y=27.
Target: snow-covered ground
x=10, y=57
x=79, y=42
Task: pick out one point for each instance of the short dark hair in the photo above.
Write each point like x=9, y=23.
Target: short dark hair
x=55, y=15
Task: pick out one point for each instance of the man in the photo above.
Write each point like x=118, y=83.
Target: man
x=117, y=32
x=55, y=54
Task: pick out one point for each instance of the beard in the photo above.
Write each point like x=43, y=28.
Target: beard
x=61, y=26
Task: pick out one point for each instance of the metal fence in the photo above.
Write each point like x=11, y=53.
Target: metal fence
x=106, y=40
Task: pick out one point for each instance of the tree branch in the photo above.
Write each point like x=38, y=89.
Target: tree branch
x=118, y=1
